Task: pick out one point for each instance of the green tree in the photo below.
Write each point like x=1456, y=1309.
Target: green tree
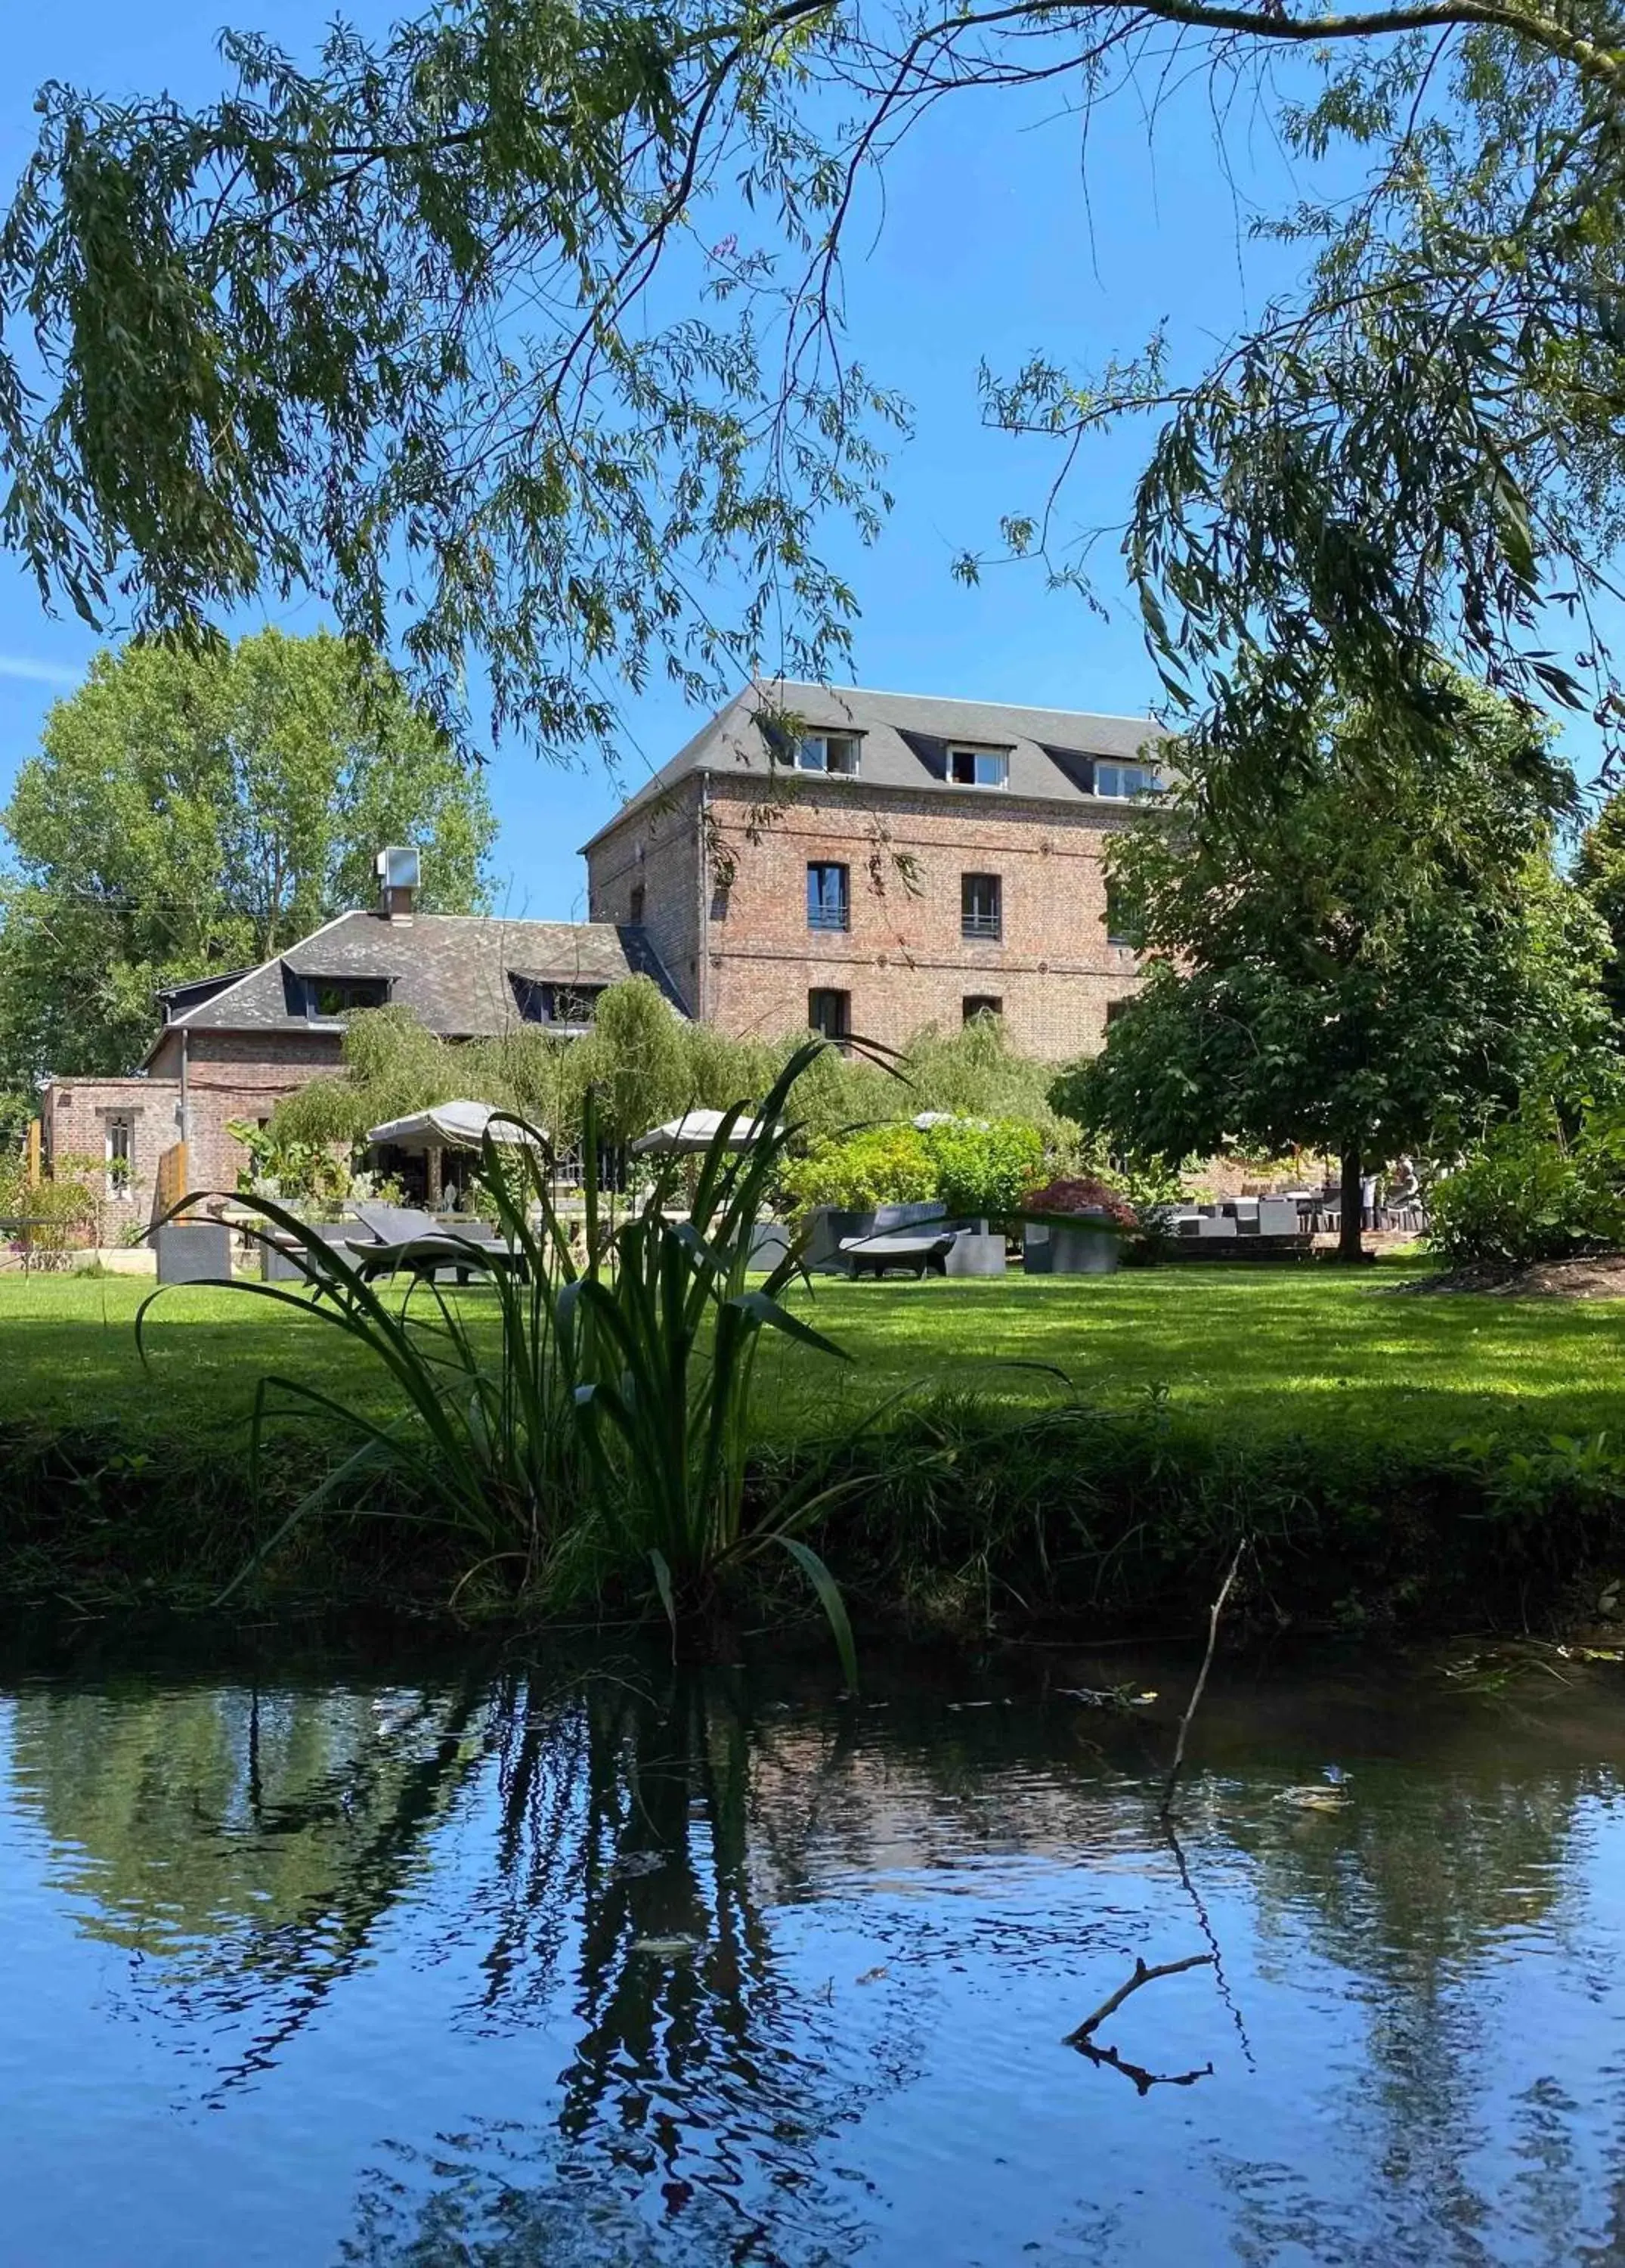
x=1599, y=870
x=189, y=812
x=269, y=345
x=1374, y=958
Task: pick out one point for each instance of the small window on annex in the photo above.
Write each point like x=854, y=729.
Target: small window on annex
x=981, y=906
x=982, y=1003
x=1116, y=1008
x=1125, y=780
x=836, y=753
x=120, y=1154
x=830, y=1014
x=829, y=902
x=978, y=768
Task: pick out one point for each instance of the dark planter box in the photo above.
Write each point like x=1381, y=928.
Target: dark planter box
x=977, y=1252
x=1060, y=1249
x=769, y=1241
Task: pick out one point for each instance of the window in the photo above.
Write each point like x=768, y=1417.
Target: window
x=828, y=752
x=540, y=1001
x=341, y=995
x=829, y=904
x=120, y=1149
x=1115, y=1008
x=981, y=906
x=830, y=1014
x=978, y=768
x=1121, y=928
x=982, y=1003
x=634, y=904
x=1124, y=780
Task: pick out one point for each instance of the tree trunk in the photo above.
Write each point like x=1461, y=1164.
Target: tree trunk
x=1348, y=1244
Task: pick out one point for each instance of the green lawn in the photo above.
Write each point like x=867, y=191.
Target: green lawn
x=1267, y=1351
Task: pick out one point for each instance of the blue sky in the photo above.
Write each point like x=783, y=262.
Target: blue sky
x=988, y=251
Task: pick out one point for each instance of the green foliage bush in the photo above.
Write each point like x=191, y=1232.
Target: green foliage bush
x=982, y=1170
x=1528, y=1191
x=648, y=1064
x=878, y=1165
x=599, y=1435
x=978, y=1170
x=281, y=1166
x=63, y=1210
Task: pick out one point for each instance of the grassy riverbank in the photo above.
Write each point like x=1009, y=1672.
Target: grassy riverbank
x=1323, y=1412
x=1271, y=1351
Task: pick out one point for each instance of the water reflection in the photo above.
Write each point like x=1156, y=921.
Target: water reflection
x=662, y=1966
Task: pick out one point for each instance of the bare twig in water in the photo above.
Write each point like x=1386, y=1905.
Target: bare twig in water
x=1214, y=1612
x=1142, y=1975
x=1083, y=2039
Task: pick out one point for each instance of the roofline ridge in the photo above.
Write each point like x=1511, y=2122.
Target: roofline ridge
x=968, y=701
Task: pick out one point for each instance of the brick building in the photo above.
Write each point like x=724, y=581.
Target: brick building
x=877, y=861
x=232, y=1045
x=859, y=862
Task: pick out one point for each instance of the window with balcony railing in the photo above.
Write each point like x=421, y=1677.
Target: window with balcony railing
x=829, y=902
x=1121, y=927
x=981, y=906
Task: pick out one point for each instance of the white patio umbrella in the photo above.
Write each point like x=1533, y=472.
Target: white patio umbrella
x=697, y=1129
x=448, y=1126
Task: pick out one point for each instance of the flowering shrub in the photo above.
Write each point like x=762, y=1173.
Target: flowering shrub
x=1081, y=1197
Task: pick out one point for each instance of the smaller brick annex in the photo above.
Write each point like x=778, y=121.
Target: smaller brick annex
x=232, y=1045
x=877, y=861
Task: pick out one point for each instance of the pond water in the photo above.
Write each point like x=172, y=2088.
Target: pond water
x=509, y=1963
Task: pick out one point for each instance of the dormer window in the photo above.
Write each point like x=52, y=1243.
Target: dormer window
x=329, y=997
x=979, y=767
x=1125, y=780
x=567, y=1006
x=836, y=753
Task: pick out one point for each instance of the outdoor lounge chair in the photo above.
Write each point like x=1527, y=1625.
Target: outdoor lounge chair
x=915, y=1236
x=918, y=1250
x=402, y=1240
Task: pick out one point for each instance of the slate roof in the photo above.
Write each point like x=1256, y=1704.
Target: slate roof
x=452, y=970
x=905, y=740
